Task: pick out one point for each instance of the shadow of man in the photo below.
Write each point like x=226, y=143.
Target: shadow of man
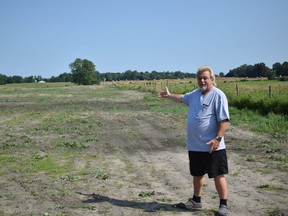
x=146, y=206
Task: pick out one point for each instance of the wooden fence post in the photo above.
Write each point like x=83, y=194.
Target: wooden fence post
x=270, y=92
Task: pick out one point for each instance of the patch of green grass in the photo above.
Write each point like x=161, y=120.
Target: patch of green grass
x=269, y=187
x=49, y=165
x=178, y=109
x=146, y=193
x=9, y=163
x=152, y=99
x=281, y=158
x=62, y=214
x=275, y=212
x=83, y=172
x=89, y=207
x=5, y=160
x=17, y=140
x=271, y=123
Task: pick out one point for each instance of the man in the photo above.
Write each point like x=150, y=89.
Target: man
x=207, y=122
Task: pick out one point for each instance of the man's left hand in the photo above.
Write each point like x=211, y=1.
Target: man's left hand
x=214, y=145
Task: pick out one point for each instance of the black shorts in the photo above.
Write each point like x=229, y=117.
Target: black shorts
x=213, y=164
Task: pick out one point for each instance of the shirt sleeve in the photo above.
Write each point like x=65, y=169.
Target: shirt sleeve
x=222, y=108
x=185, y=98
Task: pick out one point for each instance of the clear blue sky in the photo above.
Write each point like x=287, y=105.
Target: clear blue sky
x=42, y=37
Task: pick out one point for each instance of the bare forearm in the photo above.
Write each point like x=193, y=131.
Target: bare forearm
x=222, y=128
x=175, y=97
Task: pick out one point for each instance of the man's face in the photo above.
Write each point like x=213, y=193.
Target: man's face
x=205, y=82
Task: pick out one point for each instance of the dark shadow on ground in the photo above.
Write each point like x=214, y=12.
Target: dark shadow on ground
x=146, y=206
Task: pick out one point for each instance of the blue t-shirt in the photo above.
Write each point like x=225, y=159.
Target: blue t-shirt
x=205, y=111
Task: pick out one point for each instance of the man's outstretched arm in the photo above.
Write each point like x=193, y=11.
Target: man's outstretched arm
x=174, y=97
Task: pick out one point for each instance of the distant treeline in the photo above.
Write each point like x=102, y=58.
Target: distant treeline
x=250, y=71
x=260, y=70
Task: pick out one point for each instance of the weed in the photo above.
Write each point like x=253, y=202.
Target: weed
x=146, y=193
x=281, y=158
x=39, y=155
x=240, y=147
x=275, y=212
x=165, y=200
x=104, y=209
x=269, y=187
x=237, y=173
x=70, y=178
x=101, y=174
x=59, y=194
x=73, y=144
x=89, y=207
x=62, y=214
x=251, y=158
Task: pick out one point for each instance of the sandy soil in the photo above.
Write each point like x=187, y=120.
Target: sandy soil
x=142, y=169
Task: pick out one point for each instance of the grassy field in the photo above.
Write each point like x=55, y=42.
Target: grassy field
x=260, y=95
x=102, y=150
x=244, y=96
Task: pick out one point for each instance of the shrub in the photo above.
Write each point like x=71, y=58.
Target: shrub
x=284, y=78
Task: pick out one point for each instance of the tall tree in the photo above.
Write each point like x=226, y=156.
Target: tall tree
x=285, y=68
x=83, y=72
x=278, y=68
x=260, y=69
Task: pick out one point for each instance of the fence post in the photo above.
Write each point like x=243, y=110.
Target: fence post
x=270, y=92
x=237, y=92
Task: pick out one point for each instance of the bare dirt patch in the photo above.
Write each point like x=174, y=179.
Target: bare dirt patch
x=136, y=165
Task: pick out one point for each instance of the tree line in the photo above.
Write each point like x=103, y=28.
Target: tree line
x=83, y=71
x=260, y=70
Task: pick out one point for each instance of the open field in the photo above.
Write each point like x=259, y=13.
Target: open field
x=258, y=94
x=98, y=150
